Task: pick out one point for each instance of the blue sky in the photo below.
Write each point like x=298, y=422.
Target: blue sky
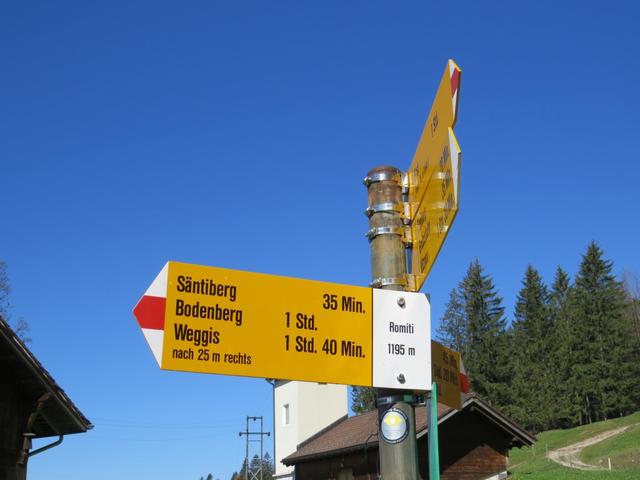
x=236, y=134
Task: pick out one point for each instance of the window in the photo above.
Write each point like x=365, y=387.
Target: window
x=285, y=414
x=345, y=474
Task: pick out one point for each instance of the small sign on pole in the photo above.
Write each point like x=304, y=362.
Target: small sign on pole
x=445, y=369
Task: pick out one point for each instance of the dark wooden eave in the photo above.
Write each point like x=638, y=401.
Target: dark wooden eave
x=360, y=433
x=520, y=437
x=57, y=415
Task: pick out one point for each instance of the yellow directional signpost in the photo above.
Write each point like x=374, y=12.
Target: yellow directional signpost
x=215, y=320
x=433, y=178
x=445, y=369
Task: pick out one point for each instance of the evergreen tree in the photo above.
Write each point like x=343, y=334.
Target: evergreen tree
x=256, y=463
x=240, y=475
x=604, y=366
x=632, y=291
x=632, y=326
x=530, y=356
x=268, y=468
x=565, y=404
x=485, y=355
x=452, y=331
x=560, y=291
x=363, y=399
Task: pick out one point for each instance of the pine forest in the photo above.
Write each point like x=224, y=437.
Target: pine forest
x=569, y=356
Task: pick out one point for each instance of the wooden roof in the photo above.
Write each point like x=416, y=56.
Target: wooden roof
x=19, y=367
x=359, y=433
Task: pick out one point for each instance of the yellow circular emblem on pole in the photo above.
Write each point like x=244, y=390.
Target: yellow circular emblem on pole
x=394, y=426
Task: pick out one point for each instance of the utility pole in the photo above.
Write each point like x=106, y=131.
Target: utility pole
x=398, y=456
x=247, y=474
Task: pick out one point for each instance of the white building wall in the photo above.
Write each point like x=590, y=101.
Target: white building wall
x=312, y=407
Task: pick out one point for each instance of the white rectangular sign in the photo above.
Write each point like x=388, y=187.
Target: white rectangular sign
x=401, y=340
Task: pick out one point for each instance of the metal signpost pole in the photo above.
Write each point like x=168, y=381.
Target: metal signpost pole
x=398, y=454
x=432, y=425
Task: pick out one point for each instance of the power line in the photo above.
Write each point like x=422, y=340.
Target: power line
x=110, y=422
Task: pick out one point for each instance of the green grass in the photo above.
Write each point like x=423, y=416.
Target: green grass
x=624, y=450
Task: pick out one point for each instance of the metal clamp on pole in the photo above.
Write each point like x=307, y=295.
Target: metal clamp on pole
x=387, y=281
x=407, y=238
x=407, y=214
x=387, y=207
x=404, y=182
x=376, y=231
x=384, y=176
x=391, y=399
x=413, y=282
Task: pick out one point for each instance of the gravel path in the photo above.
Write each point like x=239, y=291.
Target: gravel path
x=568, y=456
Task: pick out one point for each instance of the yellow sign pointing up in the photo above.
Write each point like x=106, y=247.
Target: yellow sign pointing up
x=434, y=178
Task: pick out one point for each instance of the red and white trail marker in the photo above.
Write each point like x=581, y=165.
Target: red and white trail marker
x=150, y=312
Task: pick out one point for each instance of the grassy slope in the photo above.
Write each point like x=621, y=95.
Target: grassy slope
x=624, y=451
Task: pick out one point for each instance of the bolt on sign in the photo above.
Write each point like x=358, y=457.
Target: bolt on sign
x=215, y=320
x=434, y=178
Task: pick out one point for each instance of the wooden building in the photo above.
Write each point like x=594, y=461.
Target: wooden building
x=474, y=445
x=32, y=405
